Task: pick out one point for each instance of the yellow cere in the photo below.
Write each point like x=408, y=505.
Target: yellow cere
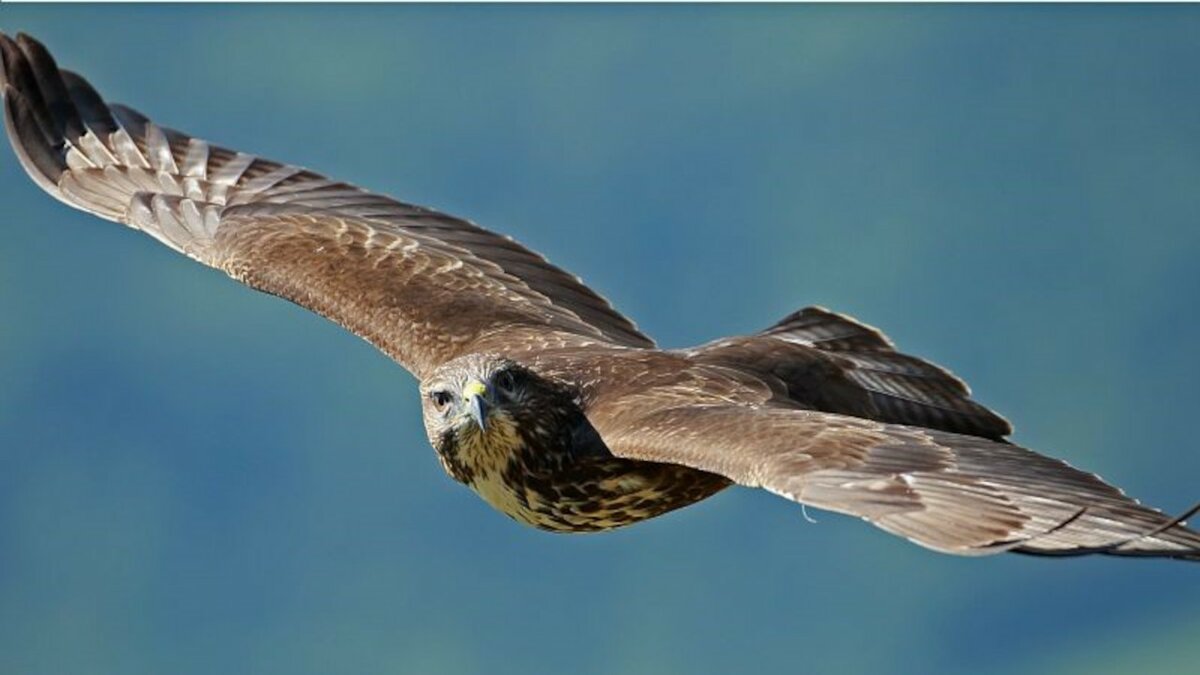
x=474, y=388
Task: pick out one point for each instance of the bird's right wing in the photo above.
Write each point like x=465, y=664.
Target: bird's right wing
x=421, y=285
x=949, y=492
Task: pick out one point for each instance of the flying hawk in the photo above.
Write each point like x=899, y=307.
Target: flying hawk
x=544, y=399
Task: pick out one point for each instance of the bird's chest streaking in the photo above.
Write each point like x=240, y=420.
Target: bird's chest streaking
x=545, y=479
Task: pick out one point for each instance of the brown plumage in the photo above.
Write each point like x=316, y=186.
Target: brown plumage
x=546, y=400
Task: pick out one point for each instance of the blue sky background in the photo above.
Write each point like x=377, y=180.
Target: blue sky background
x=196, y=478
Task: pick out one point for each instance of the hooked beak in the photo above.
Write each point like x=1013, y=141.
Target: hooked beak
x=476, y=395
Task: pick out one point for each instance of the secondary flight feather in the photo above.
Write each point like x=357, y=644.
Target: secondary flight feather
x=543, y=398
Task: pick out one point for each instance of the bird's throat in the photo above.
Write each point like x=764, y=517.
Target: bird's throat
x=474, y=455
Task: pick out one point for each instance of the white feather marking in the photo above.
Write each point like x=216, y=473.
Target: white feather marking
x=121, y=180
x=139, y=215
x=217, y=192
x=127, y=151
x=212, y=220
x=195, y=162
x=159, y=149
x=193, y=220
x=170, y=184
x=93, y=195
x=450, y=266
x=142, y=180
x=78, y=161
x=168, y=223
x=96, y=151
x=192, y=189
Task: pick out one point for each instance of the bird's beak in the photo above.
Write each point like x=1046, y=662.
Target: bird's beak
x=476, y=395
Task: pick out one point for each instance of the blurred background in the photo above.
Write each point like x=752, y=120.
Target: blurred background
x=197, y=478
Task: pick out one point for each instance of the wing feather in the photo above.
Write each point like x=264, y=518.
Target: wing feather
x=950, y=492
x=396, y=273
x=836, y=364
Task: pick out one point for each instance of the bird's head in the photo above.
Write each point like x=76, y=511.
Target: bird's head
x=473, y=408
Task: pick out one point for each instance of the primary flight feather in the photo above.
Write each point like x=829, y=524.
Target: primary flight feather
x=544, y=399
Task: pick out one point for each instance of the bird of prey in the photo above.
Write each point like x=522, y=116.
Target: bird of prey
x=544, y=399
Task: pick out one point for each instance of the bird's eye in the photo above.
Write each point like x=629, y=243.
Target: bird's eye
x=505, y=381
x=441, y=399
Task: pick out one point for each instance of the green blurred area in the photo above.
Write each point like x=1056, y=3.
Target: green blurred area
x=196, y=478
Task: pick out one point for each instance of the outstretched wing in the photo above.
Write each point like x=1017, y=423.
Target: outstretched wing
x=831, y=362
x=949, y=492
x=421, y=285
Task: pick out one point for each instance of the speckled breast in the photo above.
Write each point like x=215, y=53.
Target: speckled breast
x=593, y=494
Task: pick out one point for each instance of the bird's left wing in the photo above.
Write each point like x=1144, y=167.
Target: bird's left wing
x=949, y=492
x=421, y=285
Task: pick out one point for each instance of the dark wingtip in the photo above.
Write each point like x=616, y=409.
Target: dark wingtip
x=56, y=101
x=24, y=38
x=43, y=161
x=88, y=102
x=133, y=121
x=8, y=59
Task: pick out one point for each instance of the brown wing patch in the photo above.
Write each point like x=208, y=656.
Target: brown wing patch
x=290, y=231
x=949, y=492
x=418, y=300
